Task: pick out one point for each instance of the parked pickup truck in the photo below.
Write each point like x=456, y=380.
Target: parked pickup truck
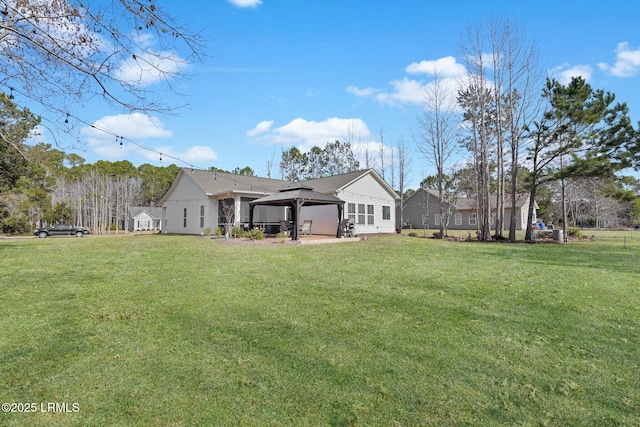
x=61, y=230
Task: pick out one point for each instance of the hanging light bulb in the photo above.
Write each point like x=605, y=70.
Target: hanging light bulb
x=67, y=119
x=160, y=157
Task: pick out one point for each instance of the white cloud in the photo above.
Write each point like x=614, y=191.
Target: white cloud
x=305, y=134
x=362, y=93
x=405, y=91
x=565, y=72
x=245, y=3
x=627, y=62
x=443, y=67
x=262, y=127
x=134, y=126
x=197, y=155
x=408, y=91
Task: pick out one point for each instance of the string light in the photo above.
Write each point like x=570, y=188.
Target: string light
x=99, y=128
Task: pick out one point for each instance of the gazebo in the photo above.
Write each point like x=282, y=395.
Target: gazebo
x=297, y=197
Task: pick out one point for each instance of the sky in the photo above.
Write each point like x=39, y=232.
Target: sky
x=284, y=73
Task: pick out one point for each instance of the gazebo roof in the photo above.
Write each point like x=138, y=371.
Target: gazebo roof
x=301, y=193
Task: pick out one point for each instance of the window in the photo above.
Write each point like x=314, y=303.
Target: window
x=370, y=215
x=184, y=218
x=201, y=216
x=386, y=212
x=472, y=219
x=351, y=212
x=361, y=215
x=425, y=219
x=458, y=218
x=436, y=219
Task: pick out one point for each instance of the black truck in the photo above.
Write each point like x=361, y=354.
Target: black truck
x=61, y=230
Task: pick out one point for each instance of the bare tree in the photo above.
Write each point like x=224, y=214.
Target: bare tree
x=436, y=136
x=63, y=52
x=228, y=215
x=381, y=153
x=519, y=99
x=479, y=111
x=404, y=167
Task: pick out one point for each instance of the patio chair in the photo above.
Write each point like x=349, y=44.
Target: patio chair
x=284, y=226
x=306, y=227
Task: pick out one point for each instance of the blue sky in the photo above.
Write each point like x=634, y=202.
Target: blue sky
x=282, y=73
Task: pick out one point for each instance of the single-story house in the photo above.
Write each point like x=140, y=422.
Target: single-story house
x=140, y=218
x=422, y=210
x=199, y=200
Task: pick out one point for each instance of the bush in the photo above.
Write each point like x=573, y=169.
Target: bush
x=413, y=234
x=255, y=234
x=207, y=232
x=237, y=232
x=574, y=232
x=436, y=235
x=282, y=235
x=218, y=231
x=16, y=225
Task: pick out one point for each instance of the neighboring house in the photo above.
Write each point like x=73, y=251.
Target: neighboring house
x=142, y=218
x=422, y=210
x=198, y=201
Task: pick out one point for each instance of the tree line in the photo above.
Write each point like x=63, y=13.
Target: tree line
x=42, y=185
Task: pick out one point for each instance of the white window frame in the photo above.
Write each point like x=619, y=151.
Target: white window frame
x=370, y=214
x=458, y=218
x=386, y=212
x=362, y=214
x=472, y=219
x=436, y=219
x=351, y=212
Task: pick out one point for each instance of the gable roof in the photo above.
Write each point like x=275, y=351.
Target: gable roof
x=216, y=183
x=469, y=203
x=303, y=193
x=152, y=211
x=219, y=183
x=337, y=183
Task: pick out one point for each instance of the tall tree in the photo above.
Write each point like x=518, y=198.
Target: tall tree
x=479, y=112
x=15, y=126
x=404, y=168
x=437, y=137
x=575, y=117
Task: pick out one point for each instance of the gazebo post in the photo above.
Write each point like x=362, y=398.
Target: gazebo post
x=340, y=209
x=251, y=216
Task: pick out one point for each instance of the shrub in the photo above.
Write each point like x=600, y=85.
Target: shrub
x=413, y=234
x=218, y=231
x=255, y=234
x=282, y=235
x=237, y=232
x=207, y=232
x=574, y=232
x=436, y=235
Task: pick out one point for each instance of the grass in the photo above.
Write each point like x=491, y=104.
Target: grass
x=177, y=330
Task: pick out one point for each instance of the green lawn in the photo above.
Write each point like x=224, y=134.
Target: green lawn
x=176, y=330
